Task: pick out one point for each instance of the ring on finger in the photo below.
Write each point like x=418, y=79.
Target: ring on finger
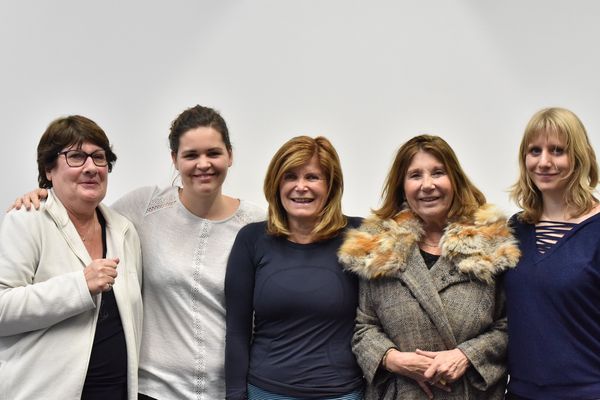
x=443, y=381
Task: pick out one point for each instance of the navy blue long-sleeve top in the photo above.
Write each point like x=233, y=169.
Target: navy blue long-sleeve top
x=303, y=304
x=553, y=310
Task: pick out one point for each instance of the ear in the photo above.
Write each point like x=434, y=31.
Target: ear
x=174, y=159
x=49, y=174
x=230, y=158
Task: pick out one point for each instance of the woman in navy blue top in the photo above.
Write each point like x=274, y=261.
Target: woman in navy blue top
x=290, y=305
x=553, y=295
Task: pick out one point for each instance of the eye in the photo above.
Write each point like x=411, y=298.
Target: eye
x=535, y=150
x=77, y=156
x=438, y=173
x=313, y=177
x=214, y=153
x=99, y=156
x=189, y=156
x=558, y=151
x=413, y=175
x=289, y=176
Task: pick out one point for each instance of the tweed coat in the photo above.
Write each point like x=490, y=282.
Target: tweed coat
x=455, y=304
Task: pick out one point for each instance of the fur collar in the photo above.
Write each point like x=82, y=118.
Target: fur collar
x=482, y=246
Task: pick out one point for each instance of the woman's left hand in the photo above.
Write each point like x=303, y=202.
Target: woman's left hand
x=447, y=366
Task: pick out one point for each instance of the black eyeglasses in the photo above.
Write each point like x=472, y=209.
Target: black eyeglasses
x=76, y=158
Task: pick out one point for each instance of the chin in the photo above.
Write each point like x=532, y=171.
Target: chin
x=93, y=196
x=204, y=191
x=303, y=216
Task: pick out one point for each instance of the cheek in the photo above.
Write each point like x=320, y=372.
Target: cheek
x=529, y=162
x=182, y=165
x=448, y=187
x=409, y=191
x=564, y=161
x=323, y=190
x=282, y=190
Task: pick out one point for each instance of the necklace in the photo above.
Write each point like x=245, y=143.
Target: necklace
x=91, y=229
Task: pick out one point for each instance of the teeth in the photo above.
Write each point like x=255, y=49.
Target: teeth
x=302, y=200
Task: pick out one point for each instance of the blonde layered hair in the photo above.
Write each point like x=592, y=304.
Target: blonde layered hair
x=295, y=153
x=466, y=197
x=582, y=176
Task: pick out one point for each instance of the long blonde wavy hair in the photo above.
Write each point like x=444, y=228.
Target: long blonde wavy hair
x=582, y=176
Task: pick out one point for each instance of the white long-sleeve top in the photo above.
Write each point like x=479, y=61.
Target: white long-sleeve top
x=185, y=257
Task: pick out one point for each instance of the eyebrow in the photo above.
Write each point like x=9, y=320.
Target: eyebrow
x=194, y=150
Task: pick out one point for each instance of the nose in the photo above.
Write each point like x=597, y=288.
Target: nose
x=203, y=162
x=427, y=183
x=89, y=166
x=545, y=159
x=301, y=184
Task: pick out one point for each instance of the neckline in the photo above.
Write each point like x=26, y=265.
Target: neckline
x=310, y=245
x=540, y=256
x=563, y=223
x=212, y=221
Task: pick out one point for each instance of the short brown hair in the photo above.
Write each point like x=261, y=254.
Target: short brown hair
x=466, y=199
x=65, y=132
x=294, y=153
x=583, y=170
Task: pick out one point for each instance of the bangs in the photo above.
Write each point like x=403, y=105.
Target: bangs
x=295, y=160
x=548, y=130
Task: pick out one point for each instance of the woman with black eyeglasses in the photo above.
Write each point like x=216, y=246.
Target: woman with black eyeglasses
x=70, y=301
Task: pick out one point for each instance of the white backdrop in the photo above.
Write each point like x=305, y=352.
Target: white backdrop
x=367, y=74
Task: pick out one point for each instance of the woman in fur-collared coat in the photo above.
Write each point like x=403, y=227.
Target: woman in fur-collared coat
x=430, y=321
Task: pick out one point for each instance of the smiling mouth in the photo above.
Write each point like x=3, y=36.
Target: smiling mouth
x=540, y=175
x=203, y=176
x=429, y=199
x=302, y=200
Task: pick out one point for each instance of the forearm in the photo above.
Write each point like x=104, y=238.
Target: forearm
x=237, y=351
x=41, y=305
x=487, y=351
x=239, y=293
x=369, y=342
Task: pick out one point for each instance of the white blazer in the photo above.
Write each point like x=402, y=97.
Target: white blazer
x=47, y=314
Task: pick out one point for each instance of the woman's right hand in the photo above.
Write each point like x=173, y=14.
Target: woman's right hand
x=412, y=365
x=100, y=275
x=30, y=199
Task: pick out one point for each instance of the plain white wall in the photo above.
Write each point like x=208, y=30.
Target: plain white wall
x=368, y=75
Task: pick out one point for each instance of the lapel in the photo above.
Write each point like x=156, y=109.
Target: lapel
x=114, y=244
x=422, y=284
x=59, y=214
